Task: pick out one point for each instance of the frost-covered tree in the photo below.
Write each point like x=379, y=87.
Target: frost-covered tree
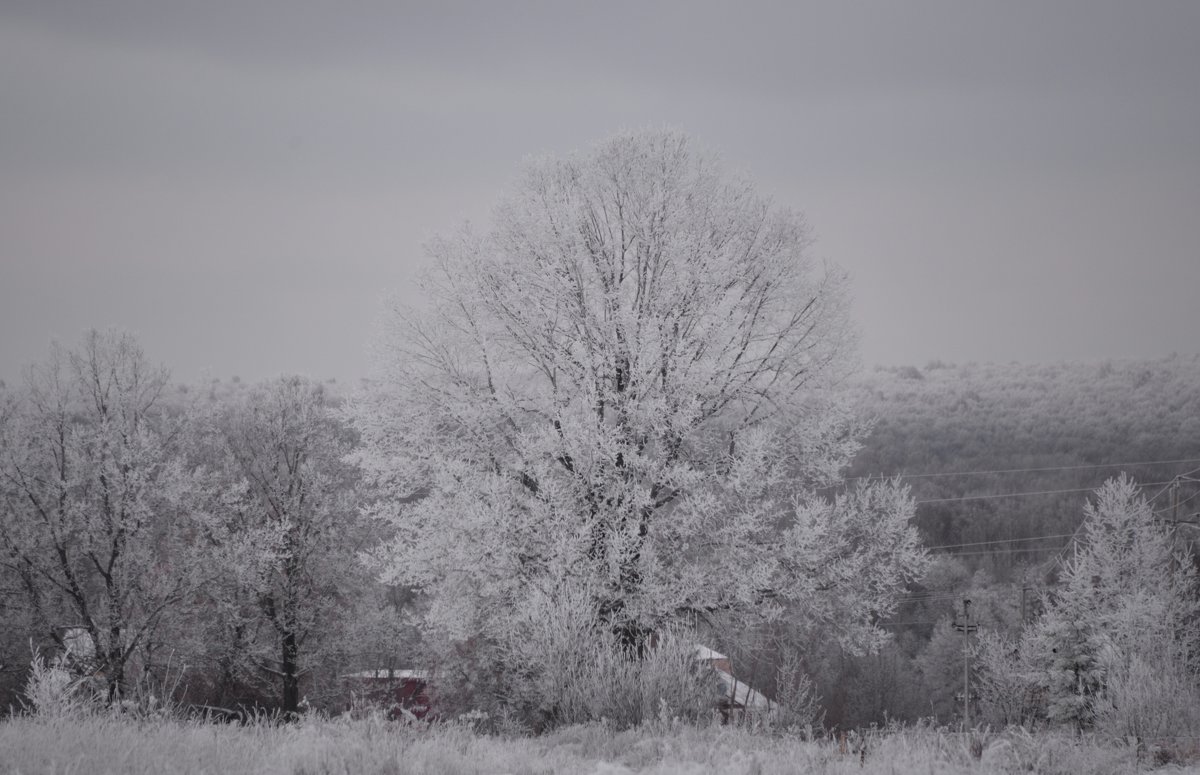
x=92, y=496
x=1125, y=594
x=284, y=528
x=630, y=384
x=1007, y=685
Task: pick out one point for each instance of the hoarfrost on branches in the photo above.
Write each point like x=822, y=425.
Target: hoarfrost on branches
x=284, y=529
x=93, y=498
x=1126, y=595
x=629, y=384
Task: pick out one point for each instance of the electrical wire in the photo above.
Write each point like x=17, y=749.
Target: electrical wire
x=999, y=541
x=1174, y=506
x=936, y=597
x=1011, y=550
x=1020, y=494
x=1178, y=478
x=1028, y=470
x=939, y=598
x=1058, y=549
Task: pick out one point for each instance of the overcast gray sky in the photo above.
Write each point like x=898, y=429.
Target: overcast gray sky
x=238, y=183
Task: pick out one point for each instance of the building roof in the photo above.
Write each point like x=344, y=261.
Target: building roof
x=704, y=653
x=741, y=692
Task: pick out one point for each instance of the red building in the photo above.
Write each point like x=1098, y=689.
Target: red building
x=401, y=692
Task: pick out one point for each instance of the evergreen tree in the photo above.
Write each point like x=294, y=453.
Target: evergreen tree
x=1124, y=594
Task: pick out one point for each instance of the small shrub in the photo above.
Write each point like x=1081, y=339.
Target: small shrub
x=605, y=681
x=1156, y=705
x=52, y=691
x=560, y=665
x=797, y=705
x=1009, y=692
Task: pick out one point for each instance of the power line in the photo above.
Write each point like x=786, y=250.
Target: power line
x=999, y=541
x=1027, y=470
x=1185, y=476
x=1021, y=494
x=1174, y=506
x=1010, y=550
x=1165, y=486
x=936, y=597
x=930, y=596
x=1059, y=549
x=933, y=600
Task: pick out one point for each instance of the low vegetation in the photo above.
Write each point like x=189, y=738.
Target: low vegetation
x=369, y=746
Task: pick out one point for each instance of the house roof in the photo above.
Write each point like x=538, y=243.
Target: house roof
x=741, y=692
x=704, y=653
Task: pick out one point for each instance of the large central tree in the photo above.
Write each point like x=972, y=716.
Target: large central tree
x=629, y=386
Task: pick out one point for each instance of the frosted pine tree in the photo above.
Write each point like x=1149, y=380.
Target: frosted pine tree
x=1125, y=595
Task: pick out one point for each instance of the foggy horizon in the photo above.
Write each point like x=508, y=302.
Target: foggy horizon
x=239, y=188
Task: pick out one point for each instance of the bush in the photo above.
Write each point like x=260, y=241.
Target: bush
x=51, y=691
x=607, y=682
x=1009, y=693
x=560, y=665
x=1157, y=705
x=797, y=705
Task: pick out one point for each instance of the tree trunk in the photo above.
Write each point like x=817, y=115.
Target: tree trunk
x=115, y=668
x=290, y=669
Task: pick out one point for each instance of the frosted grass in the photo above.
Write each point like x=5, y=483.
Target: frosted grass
x=67, y=746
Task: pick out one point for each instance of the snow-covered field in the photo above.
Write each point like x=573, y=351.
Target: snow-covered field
x=104, y=745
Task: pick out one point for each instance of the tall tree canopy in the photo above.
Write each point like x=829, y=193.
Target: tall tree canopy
x=93, y=490
x=285, y=528
x=629, y=385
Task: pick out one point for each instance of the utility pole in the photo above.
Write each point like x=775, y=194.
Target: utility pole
x=1172, y=562
x=966, y=628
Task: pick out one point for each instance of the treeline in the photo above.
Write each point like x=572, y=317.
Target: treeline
x=209, y=538
x=198, y=539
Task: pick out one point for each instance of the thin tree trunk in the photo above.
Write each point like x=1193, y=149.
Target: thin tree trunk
x=290, y=668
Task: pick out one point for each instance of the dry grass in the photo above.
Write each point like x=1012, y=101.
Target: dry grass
x=110, y=745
